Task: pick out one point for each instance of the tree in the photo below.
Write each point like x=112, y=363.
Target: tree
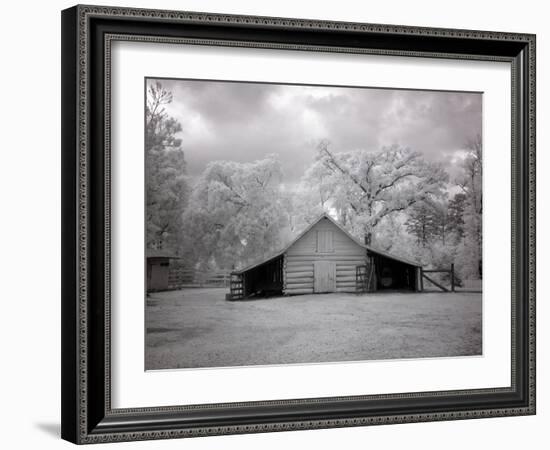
x=392, y=237
x=421, y=223
x=441, y=221
x=430, y=222
x=456, y=214
x=470, y=182
x=236, y=213
x=365, y=187
x=166, y=180
x=311, y=198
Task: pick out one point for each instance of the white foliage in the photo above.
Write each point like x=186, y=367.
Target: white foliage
x=364, y=187
x=235, y=213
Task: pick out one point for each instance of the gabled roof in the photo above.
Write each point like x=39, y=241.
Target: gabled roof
x=342, y=229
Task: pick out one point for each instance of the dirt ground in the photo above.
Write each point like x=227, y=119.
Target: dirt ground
x=198, y=328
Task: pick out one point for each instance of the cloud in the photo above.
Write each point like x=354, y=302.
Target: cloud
x=247, y=121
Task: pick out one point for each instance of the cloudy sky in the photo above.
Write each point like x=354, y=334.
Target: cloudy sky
x=246, y=121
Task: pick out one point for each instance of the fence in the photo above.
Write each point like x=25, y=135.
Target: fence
x=450, y=272
x=236, y=289
x=180, y=277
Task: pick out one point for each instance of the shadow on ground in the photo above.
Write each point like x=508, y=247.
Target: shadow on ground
x=52, y=429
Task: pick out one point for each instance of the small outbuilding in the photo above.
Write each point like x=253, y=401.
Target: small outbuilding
x=325, y=258
x=158, y=269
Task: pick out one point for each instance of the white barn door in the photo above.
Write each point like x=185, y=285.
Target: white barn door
x=324, y=276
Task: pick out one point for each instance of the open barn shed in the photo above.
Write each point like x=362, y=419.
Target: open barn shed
x=325, y=258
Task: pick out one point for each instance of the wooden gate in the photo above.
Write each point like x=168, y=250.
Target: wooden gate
x=450, y=272
x=324, y=276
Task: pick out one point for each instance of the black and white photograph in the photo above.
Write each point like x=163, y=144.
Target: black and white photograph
x=277, y=219
x=295, y=224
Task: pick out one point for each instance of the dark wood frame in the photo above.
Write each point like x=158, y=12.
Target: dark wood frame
x=87, y=32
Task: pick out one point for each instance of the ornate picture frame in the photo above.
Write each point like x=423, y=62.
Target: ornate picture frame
x=88, y=33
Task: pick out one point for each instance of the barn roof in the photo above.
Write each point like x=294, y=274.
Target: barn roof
x=390, y=256
x=341, y=228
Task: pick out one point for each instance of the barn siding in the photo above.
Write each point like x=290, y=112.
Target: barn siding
x=300, y=258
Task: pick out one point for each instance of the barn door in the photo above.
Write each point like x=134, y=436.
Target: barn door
x=159, y=277
x=324, y=276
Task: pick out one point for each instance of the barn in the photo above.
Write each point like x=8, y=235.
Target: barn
x=325, y=258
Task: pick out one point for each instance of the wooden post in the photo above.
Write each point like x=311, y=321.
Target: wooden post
x=421, y=279
x=452, y=277
x=284, y=274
